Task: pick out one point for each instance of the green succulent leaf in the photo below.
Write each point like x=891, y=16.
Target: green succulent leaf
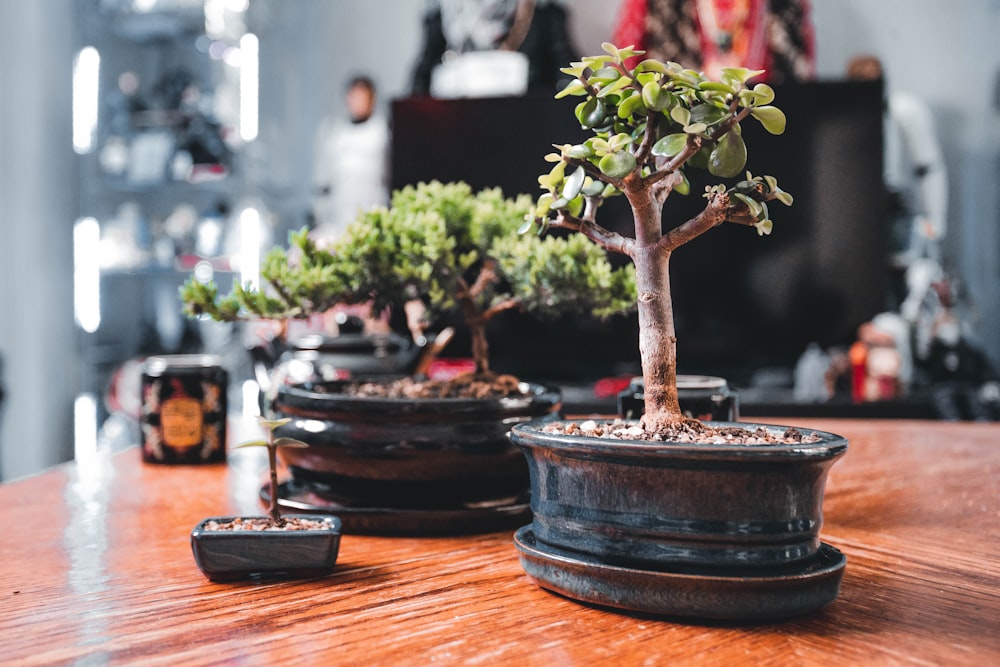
x=764, y=227
x=763, y=94
x=573, y=183
x=574, y=87
x=575, y=69
x=739, y=74
x=592, y=188
x=630, y=106
x=617, y=165
x=615, y=87
x=716, y=86
x=681, y=115
x=670, y=145
x=651, y=65
x=579, y=152
x=772, y=118
x=619, y=141
x=684, y=186
x=728, y=157
x=575, y=206
x=700, y=159
x=655, y=97
x=708, y=114
x=604, y=75
x=592, y=113
x=784, y=197
x=755, y=208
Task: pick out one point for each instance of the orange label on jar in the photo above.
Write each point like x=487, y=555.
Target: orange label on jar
x=181, y=420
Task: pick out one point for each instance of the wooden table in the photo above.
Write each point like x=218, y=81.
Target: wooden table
x=97, y=569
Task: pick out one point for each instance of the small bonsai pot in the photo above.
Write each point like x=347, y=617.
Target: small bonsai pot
x=656, y=514
x=408, y=466
x=228, y=555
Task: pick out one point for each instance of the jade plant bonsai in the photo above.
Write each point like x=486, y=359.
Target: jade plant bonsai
x=455, y=250
x=650, y=123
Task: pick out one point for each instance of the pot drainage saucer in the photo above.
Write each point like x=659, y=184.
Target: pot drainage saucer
x=747, y=596
x=459, y=519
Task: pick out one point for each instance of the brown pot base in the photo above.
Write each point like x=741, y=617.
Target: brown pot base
x=739, y=596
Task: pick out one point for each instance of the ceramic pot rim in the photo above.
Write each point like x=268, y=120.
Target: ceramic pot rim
x=830, y=445
x=536, y=395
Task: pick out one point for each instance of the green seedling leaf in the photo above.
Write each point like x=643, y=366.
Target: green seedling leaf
x=289, y=442
x=253, y=443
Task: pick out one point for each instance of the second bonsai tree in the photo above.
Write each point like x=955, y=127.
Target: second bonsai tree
x=454, y=250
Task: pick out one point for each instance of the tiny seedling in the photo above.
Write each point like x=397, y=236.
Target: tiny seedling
x=272, y=444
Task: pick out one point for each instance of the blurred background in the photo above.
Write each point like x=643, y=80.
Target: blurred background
x=142, y=141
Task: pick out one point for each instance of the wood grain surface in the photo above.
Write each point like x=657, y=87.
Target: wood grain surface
x=97, y=569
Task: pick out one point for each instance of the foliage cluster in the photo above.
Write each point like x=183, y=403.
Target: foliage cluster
x=454, y=249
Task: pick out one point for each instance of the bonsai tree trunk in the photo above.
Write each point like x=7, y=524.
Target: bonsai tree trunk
x=657, y=338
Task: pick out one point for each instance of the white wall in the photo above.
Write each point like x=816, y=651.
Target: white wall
x=37, y=207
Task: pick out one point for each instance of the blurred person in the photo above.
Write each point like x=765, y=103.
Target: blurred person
x=706, y=35
x=476, y=48
x=352, y=161
x=914, y=171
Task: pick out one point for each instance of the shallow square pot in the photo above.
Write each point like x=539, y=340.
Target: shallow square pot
x=227, y=555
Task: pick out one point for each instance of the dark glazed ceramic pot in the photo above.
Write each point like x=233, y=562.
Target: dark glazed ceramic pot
x=408, y=460
x=722, y=512
x=227, y=555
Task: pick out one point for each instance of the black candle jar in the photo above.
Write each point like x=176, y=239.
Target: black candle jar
x=184, y=409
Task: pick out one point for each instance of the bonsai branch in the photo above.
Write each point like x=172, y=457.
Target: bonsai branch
x=610, y=241
x=713, y=215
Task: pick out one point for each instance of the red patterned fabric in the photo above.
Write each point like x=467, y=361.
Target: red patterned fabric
x=778, y=35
